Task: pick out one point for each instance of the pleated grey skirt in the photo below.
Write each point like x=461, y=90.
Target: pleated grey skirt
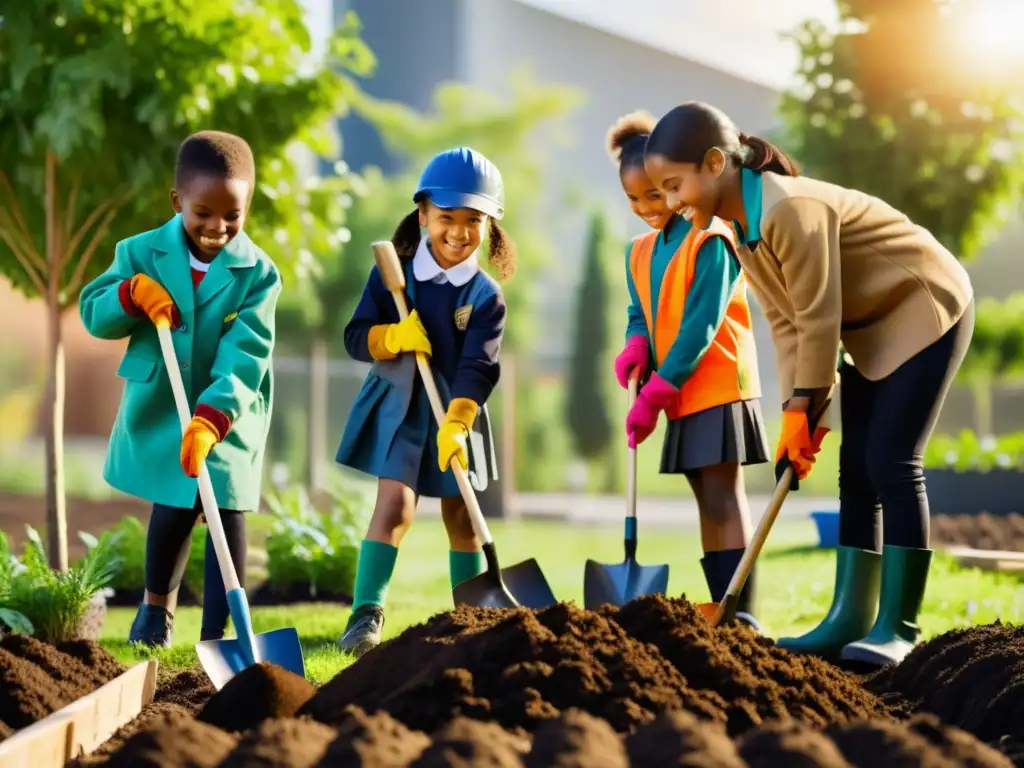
x=726, y=434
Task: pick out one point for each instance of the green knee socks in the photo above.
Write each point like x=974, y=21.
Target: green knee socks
x=464, y=566
x=373, y=574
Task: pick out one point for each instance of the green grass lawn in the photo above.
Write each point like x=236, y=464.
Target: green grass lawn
x=795, y=586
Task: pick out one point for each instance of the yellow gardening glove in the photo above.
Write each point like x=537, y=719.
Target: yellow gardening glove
x=452, y=434
x=388, y=341
x=153, y=299
x=196, y=444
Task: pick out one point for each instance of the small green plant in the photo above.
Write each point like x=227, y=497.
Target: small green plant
x=128, y=537
x=314, y=547
x=54, y=602
x=966, y=452
x=9, y=568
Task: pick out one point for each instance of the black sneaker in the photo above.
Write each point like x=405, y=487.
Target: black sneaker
x=363, y=630
x=153, y=626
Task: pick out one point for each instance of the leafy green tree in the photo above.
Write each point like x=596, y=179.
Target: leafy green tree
x=587, y=407
x=883, y=107
x=95, y=98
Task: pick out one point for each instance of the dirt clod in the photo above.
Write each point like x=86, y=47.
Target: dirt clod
x=577, y=740
x=295, y=743
x=255, y=694
x=175, y=740
x=680, y=739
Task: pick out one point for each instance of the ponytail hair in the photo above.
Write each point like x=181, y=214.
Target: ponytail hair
x=406, y=238
x=501, y=248
x=627, y=139
x=687, y=132
x=761, y=155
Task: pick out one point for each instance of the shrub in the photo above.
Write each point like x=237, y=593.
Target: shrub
x=966, y=452
x=309, y=546
x=54, y=602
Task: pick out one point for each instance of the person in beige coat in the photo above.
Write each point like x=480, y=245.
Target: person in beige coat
x=832, y=266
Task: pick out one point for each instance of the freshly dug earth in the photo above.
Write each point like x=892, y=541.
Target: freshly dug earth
x=647, y=685
x=37, y=678
x=521, y=669
x=982, y=531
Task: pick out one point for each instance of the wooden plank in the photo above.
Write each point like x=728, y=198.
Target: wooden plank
x=100, y=714
x=44, y=744
x=1000, y=560
x=80, y=727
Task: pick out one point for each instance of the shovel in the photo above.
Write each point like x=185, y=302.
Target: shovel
x=717, y=613
x=618, y=584
x=223, y=659
x=518, y=585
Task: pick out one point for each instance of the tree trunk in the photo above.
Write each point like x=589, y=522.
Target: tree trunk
x=319, y=385
x=56, y=514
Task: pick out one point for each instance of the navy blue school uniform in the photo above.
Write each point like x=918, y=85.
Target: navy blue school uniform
x=391, y=432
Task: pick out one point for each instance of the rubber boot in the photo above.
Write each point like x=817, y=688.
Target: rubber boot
x=719, y=568
x=153, y=626
x=854, y=604
x=904, y=577
x=363, y=630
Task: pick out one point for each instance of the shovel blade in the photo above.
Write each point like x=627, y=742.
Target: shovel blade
x=708, y=611
x=522, y=584
x=484, y=591
x=619, y=583
x=528, y=585
x=223, y=659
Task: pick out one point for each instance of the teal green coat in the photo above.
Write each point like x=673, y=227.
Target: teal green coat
x=224, y=346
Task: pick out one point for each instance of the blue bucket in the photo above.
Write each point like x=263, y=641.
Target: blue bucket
x=828, y=528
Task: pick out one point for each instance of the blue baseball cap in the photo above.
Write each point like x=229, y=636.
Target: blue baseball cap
x=463, y=178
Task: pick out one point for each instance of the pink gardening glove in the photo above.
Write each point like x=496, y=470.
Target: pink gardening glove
x=632, y=358
x=656, y=396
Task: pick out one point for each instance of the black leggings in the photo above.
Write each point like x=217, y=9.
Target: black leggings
x=168, y=542
x=886, y=425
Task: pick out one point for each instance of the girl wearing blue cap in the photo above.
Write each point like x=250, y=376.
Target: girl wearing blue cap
x=457, y=317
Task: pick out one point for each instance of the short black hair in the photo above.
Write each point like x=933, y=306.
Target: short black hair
x=214, y=153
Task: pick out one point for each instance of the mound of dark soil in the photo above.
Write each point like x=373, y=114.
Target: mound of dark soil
x=261, y=692
x=521, y=669
x=37, y=679
x=648, y=685
x=971, y=678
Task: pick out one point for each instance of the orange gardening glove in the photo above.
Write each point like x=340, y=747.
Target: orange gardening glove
x=453, y=433
x=199, y=439
x=153, y=299
x=797, y=448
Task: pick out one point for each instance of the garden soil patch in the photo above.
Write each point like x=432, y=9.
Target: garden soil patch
x=36, y=678
x=982, y=531
x=649, y=684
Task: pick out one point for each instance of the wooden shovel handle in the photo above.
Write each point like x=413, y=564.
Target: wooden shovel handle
x=727, y=607
x=394, y=280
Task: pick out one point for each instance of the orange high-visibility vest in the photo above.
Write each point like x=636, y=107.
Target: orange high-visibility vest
x=727, y=373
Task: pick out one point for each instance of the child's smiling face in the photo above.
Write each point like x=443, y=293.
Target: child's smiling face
x=645, y=200
x=213, y=210
x=455, y=233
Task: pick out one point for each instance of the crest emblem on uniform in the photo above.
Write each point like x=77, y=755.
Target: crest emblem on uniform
x=462, y=316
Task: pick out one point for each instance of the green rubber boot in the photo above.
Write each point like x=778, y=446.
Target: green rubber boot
x=854, y=604
x=904, y=577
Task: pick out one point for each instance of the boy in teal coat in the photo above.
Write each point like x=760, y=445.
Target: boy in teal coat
x=220, y=292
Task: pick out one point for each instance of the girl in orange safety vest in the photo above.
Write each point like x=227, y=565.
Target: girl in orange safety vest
x=689, y=325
